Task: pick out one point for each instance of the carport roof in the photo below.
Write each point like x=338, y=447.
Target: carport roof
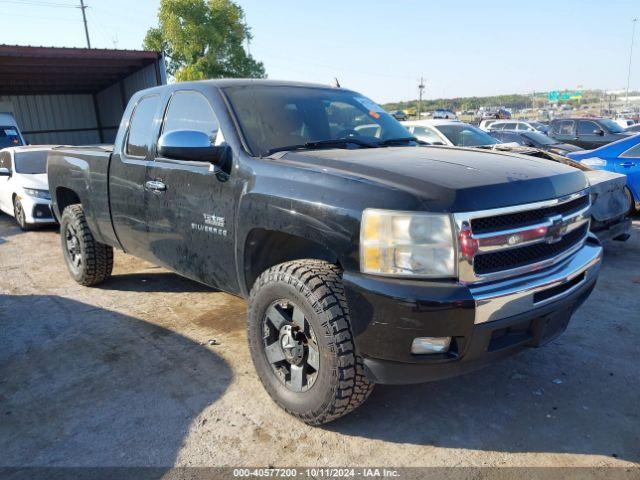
x=44, y=70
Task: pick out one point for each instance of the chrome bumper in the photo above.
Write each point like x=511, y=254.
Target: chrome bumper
x=511, y=297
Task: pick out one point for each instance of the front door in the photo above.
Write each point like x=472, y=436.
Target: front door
x=191, y=205
x=589, y=135
x=5, y=183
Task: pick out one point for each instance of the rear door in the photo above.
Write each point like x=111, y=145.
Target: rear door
x=587, y=136
x=629, y=164
x=564, y=131
x=127, y=176
x=190, y=218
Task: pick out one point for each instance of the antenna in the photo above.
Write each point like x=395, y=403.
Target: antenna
x=83, y=7
x=336, y=83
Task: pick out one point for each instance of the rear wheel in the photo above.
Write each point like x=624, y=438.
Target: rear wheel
x=301, y=341
x=19, y=214
x=89, y=262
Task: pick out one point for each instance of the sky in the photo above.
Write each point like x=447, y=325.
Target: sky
x=382, y=48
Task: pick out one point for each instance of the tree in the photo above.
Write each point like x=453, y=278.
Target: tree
x=203, y=39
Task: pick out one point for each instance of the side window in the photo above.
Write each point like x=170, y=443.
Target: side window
x=426, y=135
x=633, y=152
x=523, y=126
x=564, y=127
x=586, y=127
x=140, y=126
x=496, y=126
x=510, y=126
x=5, y=160
x=190, y=110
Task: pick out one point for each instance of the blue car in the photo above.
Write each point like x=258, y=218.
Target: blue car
x=622, y=156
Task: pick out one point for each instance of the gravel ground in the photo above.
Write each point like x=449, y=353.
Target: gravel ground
x=124, y=375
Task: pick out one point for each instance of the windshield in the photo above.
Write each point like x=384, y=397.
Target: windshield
x=464, y=135
x=612, y=126
x=31, y=162
x=539, y=138
x=276, y=117
x=9, y=137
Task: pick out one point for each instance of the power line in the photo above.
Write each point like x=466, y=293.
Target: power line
x=36, y=3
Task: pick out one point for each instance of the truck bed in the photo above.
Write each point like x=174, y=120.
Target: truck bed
x=84, y=170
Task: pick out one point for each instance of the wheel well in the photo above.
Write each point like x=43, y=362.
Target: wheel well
x=65, y=197
x=266, y=248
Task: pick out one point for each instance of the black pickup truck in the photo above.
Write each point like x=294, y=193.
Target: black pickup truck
x=365, y=257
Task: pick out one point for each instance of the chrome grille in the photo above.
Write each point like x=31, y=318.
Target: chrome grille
x=514, y=240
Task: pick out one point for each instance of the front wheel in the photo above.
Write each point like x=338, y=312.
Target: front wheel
x=301, y=341
x=89, y=262
x=19, y=214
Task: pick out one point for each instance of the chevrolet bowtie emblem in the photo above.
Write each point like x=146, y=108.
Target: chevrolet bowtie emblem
x=556, y=230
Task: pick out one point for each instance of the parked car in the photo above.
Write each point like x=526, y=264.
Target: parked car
x=633, y=128
x=364, y=259
x=486, y=124
x=24, y=191
x=399, y=115
x=449, y=132
x=622, y=156
x=495, y=113
x=587, y=132
x=10, y=135
x=610, y=200
x=520, y=125
x=444, y=114
x=624, y=122
x=534, y=139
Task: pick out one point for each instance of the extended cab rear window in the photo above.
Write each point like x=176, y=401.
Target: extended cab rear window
x=139, y=138
x=9, y=137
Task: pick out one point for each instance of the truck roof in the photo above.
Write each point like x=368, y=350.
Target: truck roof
x=241, y=82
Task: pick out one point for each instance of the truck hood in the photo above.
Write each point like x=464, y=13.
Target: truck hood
x=611, y=201
x=448, y=178
x=38, y=181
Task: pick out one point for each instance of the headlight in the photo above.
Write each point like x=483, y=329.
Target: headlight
x=406, y=244
x=594, y=162
x=32, y=192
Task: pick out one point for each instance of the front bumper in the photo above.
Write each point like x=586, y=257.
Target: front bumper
x=37, y=210
x=486, y=322
x=618, y=229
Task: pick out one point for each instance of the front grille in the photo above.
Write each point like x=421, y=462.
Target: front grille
x=486, y=263
x=526, y=217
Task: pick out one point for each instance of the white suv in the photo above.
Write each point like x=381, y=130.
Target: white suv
x=521, y=125
x=24, y=188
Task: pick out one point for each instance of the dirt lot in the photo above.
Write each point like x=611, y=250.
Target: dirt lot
x=123, y=375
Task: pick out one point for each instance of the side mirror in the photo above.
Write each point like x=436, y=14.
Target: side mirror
x=598, y=131
x=192, y=146
x=5, y=172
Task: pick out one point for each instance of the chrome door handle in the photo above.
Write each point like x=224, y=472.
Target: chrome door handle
x=155, y=186
x=628, y=164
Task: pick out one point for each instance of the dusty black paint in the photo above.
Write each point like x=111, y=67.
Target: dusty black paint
x=295, y=205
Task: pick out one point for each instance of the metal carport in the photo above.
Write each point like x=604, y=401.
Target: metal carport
x=73, y=95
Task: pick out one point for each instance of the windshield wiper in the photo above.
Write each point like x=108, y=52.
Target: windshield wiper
x=333, y=142
x=397, y=141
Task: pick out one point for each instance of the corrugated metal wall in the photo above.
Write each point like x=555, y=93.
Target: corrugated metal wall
x=71, y=119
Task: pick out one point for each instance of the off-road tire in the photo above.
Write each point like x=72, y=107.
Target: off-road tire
x=632, y=204
x=316, y=287
x=96, y=259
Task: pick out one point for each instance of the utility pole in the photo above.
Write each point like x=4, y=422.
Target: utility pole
x=633, y=34
x=83, y=7
x=421, y=87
